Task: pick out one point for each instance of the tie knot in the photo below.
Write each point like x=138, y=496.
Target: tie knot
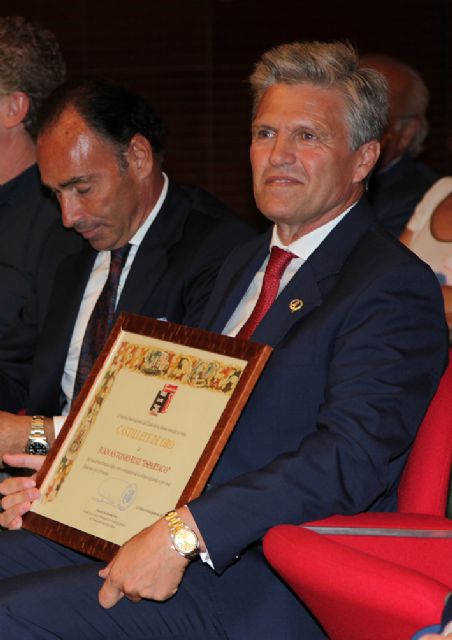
x=278, y=261
x=118, y=257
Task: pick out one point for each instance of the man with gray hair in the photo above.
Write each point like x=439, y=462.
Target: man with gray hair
x=31, y=66
x=359, y=345
x=399, y=181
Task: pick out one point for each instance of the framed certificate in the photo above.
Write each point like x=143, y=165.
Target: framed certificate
x=145, y=432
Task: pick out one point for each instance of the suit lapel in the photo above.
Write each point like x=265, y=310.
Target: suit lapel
x=151, y=260
x=306, y=289
x=147, y=268
x=67, y=292
x=233, y=281
x=314, y=279
x=294, y=303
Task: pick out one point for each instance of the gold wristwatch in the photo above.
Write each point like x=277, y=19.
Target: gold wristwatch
x=37, y=444
x=184, y=540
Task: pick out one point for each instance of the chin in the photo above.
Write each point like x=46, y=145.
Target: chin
x=279, y=215
x=101, y=245
x=276, y=209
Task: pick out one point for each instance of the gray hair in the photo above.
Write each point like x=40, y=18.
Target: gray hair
x=328, y=65
x=415, y=99
x=30, y=61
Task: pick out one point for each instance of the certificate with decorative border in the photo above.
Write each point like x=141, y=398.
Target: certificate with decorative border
x=145, y=432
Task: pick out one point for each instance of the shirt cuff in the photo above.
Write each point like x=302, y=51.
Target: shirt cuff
x=58, y=422
x=205, y=557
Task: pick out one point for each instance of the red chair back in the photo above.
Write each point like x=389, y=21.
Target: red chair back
x=424, y=486
x=354, y=595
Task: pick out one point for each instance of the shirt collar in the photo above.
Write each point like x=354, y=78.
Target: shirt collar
x=142, y=231
x=307, y=244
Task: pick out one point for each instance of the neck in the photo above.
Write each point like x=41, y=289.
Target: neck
x=150, y=191
x=151, y=194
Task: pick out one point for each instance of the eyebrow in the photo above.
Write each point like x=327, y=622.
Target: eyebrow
x=257, y=125
x=75, y=180
x=70, y=182
x=294, y=127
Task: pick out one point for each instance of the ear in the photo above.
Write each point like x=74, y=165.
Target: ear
x=14, y=109
x=367, y=156
x=140, y=155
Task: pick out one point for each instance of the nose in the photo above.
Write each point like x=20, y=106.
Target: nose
x=70, y=210
x=283, y=151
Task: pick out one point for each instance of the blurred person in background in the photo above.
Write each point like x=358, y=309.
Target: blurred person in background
x=31, y=66
x=399, y=180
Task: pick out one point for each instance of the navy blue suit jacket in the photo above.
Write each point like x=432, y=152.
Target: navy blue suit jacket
x=26, y=215
x=171, y=277
x=329, y=426
x=395, y=193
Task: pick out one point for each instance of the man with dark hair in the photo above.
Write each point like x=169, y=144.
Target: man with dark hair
x=399, y=180
x=31, y=66
x=163, y=241
x=112, y=111
x=359, y=344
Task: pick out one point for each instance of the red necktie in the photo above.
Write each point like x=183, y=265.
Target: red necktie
x=101, y=319
x=277, y=263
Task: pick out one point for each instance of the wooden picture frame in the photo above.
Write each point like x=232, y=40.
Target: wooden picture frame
x=144, y=434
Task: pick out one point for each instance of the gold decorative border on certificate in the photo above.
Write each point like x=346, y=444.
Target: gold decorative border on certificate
x=213, y=375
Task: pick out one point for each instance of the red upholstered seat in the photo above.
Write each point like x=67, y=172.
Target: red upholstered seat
x=386, y=584
x=355, y=595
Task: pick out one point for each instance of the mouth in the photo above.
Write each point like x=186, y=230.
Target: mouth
x=282, y=180
x=87, y=232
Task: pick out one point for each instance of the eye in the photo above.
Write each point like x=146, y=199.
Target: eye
x=82, y=190
x=306, y=136
x=263, y=134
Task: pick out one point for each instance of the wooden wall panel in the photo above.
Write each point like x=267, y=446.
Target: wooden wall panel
x=192, y=58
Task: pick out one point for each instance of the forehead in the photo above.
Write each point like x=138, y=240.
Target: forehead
x=66, y=130
x=302, y=103
x=70, y=146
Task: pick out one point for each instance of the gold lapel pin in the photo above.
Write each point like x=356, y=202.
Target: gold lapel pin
x=295, y=305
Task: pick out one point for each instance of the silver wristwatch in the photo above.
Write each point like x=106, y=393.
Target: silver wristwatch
x=184, y=540
x=37, y=442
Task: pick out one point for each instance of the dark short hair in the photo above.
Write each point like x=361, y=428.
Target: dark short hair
x=30, y=61
x=112, y=111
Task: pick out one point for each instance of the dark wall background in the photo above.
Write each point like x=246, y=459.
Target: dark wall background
x=191, y=58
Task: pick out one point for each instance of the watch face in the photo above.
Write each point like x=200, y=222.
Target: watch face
x=38, y=447
x=185, y=541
